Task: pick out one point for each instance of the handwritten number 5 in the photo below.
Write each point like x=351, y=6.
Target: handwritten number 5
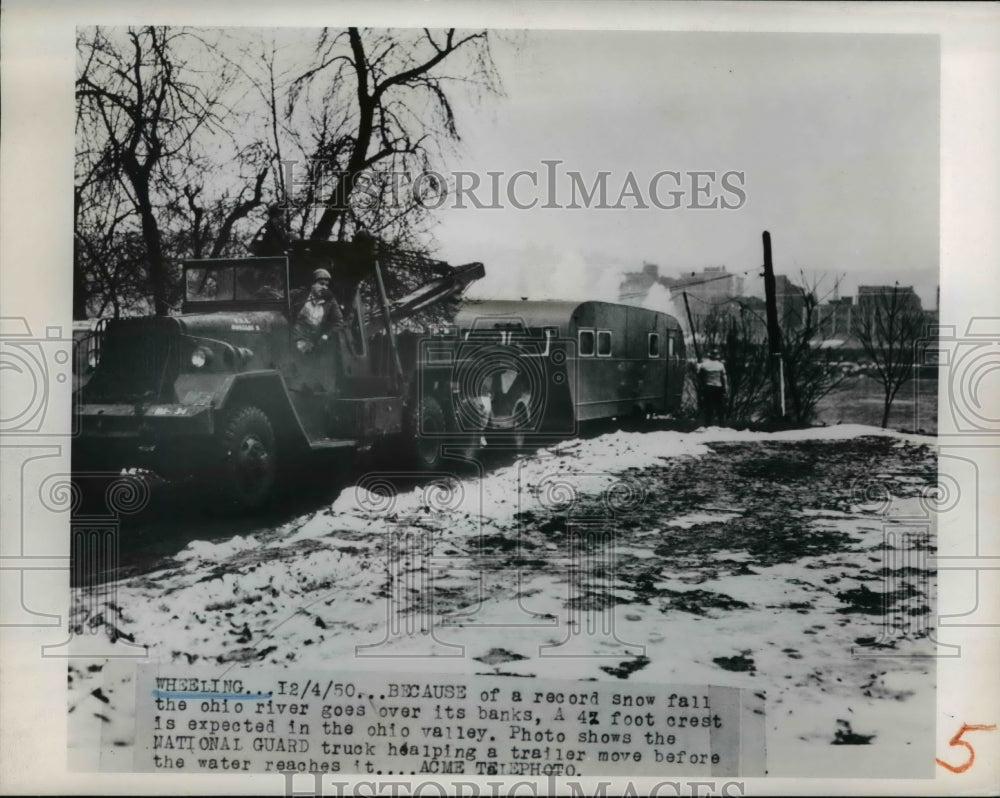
x=957, y=740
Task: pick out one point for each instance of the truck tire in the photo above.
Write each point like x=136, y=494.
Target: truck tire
x=429, y=423
x=249, y=458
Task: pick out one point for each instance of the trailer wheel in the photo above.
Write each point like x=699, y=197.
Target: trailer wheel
x=635, y=421
x=249, y=458
x=429, y=424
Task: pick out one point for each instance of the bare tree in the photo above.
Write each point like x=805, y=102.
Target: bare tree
x=744, y=350
x=890, y=326
x=178, y=131
x=809, y=369
x=377, y=104
x=734, y=330
x=738, y=330
x=143, y=96
x=108, y=275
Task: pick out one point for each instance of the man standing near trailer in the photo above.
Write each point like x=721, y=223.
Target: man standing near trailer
x=712, y=377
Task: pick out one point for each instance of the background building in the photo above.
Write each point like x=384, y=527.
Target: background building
x=867, y=295
x=710, y=287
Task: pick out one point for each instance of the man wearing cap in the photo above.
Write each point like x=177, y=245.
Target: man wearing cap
x=319, y=314
x=712, y=375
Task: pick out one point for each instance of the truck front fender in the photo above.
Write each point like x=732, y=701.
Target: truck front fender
x=268, y=391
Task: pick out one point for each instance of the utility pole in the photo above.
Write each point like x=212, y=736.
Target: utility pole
x=773, y=332
x=694, y=339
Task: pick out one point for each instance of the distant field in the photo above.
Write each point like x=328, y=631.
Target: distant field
x=860, y=402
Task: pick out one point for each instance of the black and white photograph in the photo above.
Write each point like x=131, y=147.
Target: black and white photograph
x=545, y=402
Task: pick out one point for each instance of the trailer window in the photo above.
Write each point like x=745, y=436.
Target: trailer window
x=654, y=344
x=586, y=348
x=604, y=343
x=670, y=346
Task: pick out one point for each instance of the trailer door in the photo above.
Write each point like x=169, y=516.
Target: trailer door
x=676, y=369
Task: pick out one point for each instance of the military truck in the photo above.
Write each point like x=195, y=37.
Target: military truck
x=229, y=391
x=226, y=392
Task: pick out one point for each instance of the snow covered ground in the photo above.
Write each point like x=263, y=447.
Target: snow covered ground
x=712, y=557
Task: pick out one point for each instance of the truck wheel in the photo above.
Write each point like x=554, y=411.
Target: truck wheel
x=249, y=458
x=429, y=424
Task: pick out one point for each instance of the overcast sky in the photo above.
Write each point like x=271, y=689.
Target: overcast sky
x=837, y=136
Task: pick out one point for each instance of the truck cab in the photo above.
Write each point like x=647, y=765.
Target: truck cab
x=226, y=391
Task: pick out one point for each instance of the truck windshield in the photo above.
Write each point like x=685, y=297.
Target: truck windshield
x=227, y=282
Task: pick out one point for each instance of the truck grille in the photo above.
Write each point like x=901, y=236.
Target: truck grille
x=139, y=362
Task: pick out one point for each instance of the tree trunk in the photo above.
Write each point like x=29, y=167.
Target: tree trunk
x=79, y=286
x=154, y=251
x=338, y=204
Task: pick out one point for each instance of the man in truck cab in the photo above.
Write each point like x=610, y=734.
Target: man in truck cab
x=319, y=315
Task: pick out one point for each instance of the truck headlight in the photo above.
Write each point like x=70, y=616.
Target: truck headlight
x=200, y=357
